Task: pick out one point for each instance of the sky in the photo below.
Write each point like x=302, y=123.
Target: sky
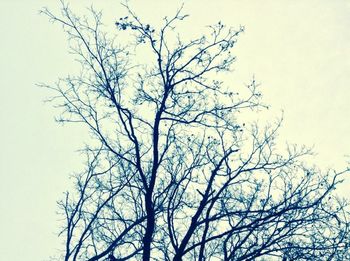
x=298, y=50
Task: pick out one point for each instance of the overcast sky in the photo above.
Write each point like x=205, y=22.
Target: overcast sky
x=298, y=50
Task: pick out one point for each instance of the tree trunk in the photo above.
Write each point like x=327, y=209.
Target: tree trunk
x=147, y=239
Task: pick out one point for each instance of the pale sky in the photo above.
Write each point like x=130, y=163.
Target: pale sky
x=299, y=51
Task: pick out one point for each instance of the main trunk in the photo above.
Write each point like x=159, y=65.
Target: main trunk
x=147, y=239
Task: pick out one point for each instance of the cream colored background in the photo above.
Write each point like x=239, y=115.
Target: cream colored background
x=298, y=50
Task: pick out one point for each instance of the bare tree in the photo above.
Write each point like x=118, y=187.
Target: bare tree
x=173, y=172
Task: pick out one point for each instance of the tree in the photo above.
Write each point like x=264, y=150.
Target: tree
x=173, y=172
